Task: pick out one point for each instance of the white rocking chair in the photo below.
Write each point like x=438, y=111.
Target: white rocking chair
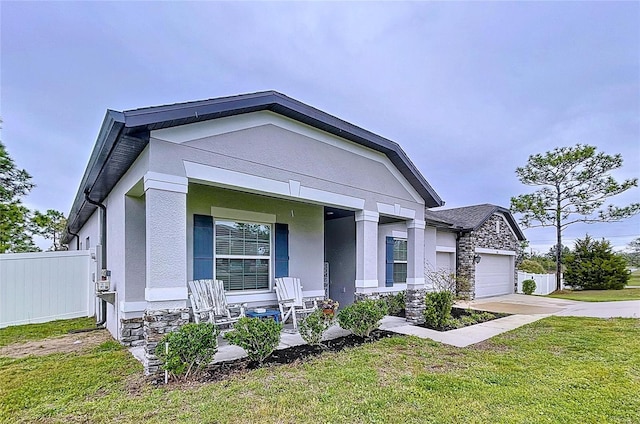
x=290, y=300
x=209, y=301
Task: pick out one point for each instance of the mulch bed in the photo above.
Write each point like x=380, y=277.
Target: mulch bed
x=461, y=312
x=302, y=353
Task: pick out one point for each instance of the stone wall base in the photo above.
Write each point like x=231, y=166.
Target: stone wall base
x=157, y=323
x=414, y=305
x=131, y=332
x=366, y=296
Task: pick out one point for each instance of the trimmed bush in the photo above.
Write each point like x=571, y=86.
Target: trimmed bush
x=361, y=318
x=437, y=308
x=259, y=338
x=531, y=266
x=592, y=265
x=528, y=286
x=191, y=349
x=313, y=327
x=395, y=303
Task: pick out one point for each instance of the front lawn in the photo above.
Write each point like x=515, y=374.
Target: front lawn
x=635, y=278
x=23, y=333
x=598, y=295
x=560, y=369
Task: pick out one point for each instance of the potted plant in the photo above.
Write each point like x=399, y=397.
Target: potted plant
x=329, y=307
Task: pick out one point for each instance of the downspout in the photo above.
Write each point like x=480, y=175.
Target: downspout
x=77, y=239
x=103, y=241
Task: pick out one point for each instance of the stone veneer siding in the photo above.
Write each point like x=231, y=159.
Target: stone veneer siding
x=486, y=237
x=414, y=305
x=132, y=332
x=157, y=323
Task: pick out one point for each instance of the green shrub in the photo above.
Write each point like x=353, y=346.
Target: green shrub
x=313, y=327
x=395, y=303
x=259, y=338
x=437, y=308
x=528, y=286
x=593, y=265
x=361, y=318
x=531, y=266
x=452, y=323
x=191, y=349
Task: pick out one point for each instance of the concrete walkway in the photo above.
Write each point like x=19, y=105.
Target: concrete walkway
x=534, y=305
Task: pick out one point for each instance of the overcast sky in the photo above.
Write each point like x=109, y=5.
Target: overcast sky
x=469, y=90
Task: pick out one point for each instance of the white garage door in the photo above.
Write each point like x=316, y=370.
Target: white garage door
x=494, y=275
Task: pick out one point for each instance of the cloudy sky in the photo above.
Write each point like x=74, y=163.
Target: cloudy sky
x=469, y=90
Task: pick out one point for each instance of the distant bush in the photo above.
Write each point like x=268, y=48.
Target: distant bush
x=531, y=266
x=437, y=308
x=258, y=337
x=528, y=286
x=191, y=349
x=361, y=318
x=592, y=265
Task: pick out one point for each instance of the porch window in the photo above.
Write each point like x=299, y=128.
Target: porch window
x=399, y=260
x=242, y=255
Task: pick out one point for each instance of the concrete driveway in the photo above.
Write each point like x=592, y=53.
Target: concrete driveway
x=539, y=305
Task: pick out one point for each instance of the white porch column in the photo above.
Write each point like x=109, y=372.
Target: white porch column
x=430, y=252
x=166, y=241
x=415, y=254
x=366, y=251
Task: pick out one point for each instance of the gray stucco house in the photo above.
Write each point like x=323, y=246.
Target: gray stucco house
x=246, y=189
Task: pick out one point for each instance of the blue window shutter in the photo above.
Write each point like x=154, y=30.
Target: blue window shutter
x=389, y=262
x=202, y=247
x=282, y=250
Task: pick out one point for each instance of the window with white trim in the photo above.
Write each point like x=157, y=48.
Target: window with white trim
x=242, y=254
x=399, y=260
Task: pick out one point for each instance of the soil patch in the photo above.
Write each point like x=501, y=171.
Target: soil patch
x=68, y=343
x=224, y=370
x=465, y=317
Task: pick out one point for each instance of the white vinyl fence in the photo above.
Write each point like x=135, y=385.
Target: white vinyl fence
x=45, y=286
x=545, y=283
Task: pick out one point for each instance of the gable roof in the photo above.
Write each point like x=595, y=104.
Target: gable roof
x=124, y=135
x=470, y=218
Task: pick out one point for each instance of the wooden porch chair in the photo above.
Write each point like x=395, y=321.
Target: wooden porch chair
x=209, y=300
x=290, y=300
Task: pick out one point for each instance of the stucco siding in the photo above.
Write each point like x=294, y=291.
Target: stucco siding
x=445, y=238
x=270, y=151
x=306, y=233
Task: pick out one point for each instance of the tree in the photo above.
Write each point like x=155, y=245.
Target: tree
x=51, y=226
x=632, y=255
x=15, y=229
x=593, y=265
x=575, y=184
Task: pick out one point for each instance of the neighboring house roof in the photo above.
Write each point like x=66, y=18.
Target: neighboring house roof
x=470, y=218
x=124, y=135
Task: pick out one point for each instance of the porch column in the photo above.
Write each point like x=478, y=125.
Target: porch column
x=415, y=254
x=414, y=296
x=166, y=257
x=366, y=251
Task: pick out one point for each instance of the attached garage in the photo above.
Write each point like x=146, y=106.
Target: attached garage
x=487, y=247
x=494, y=275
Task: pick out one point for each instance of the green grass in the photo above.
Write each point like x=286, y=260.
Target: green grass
x=598, y=295
x=23, y=333
x=560, y=369
x=635, y=279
